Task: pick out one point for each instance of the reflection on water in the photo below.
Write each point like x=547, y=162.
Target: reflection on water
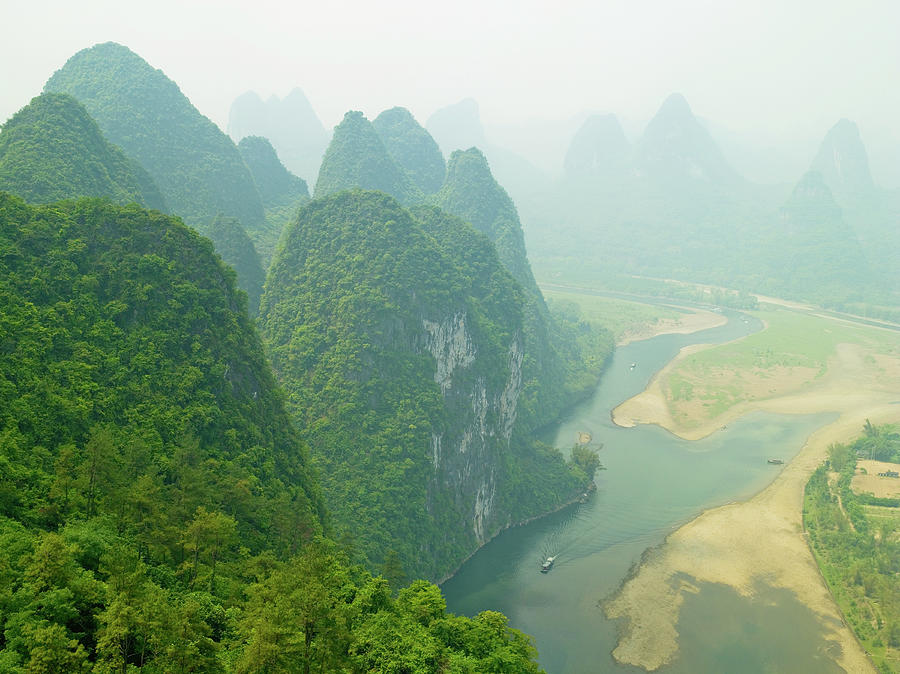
x=654, y=483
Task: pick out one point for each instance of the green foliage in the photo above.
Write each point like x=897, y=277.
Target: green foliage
x=357, y=158
x=151, y=485
x=197, y=167
x=587, y=460
x=563, y=357
x=51, y=149
x=412, y=147
x=316, y=614
x=857, y=551
x=235, y=248
x=360, y=301
x=282, y=192
x=135, y=386
x=471, y=193
x=277, y=186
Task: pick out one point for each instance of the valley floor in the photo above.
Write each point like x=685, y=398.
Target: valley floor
x=760, y=540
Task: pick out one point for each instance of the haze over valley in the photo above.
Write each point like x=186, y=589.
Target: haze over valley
x=406, y=339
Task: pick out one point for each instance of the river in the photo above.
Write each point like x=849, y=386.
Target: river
x=653, y=483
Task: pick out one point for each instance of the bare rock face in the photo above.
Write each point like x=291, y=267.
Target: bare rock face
x=400, y=339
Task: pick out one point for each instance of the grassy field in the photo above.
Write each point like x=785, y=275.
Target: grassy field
x=792, y=355
x=621, y=317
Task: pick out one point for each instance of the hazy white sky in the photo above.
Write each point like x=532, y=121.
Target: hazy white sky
x=761, y=67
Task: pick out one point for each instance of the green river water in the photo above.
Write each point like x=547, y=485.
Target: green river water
x=654, y=483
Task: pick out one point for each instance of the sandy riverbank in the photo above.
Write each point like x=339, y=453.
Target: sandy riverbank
x=693, y=320
x=761, y=540
x=740, y=545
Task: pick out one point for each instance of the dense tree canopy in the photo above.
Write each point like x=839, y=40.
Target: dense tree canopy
x=356, y=294
x=52, y=149
x=357, y=158
x=412, y=147
x=282, y=192
x=156, y=509
x=132, y=345
x=236, y=248
x=197, y=167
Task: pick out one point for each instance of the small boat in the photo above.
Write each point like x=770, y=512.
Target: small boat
x=547, y=565
x=777, y=462
x=633, y=365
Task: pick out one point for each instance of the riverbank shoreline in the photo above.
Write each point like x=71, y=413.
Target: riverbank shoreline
x=693, y=320
x=758, y=542
x=739, y=545
x=576, y=497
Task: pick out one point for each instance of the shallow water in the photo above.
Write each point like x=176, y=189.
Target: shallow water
x=654, y=483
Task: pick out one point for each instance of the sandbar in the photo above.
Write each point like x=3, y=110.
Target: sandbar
x=760, y=541
x=692, y=320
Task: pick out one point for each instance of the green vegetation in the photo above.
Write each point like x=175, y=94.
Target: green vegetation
x=412, y=147
x=790, y=355
x=400, y=345
x=620, y=317
x=156, y=508
x=563, y=354
x=289, y=123
x=471, y=193
x=857, y=546
x=51, y=149
x=198, y=169
x=282, y=192
x=235, y=248
x=277, y=186
x=132, y=344
x=671, y=207
x=357, y=158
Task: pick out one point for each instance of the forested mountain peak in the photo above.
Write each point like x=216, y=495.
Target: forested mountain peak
x=400, y=339
x=471, y=192
x=676, y=146
x=598, y=148
x=813, y=248
x=52, y=149
x=277, y=186
x=198, y=169
x=151, y=342
x=236, y=249
x=290, y=124
x=843, y=162
x=412, y=147
x=357, y=158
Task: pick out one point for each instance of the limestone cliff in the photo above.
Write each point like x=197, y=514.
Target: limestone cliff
x=400, y=340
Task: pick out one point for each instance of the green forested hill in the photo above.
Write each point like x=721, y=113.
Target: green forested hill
x=51, y=149
x=556, y=350
x=812, y=251
x=412, y=147
x=357, y=158
x=277, y=186
x=282, y=192
x=156, y=508
x=289, y=123
x=400, y=344
x=128, y=330
x=197, y=167
x=235, y=247
x=471, y=193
